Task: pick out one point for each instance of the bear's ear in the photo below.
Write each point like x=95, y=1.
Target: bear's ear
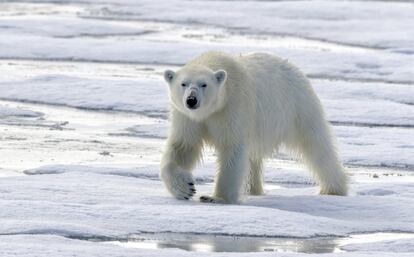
x=169, y=75
x=221, y=76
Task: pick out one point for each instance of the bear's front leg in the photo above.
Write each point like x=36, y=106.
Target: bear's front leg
x=231, y=178
x=177, y=163
x=178, y=182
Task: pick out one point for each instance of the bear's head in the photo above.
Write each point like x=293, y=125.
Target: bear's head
x=196, y=91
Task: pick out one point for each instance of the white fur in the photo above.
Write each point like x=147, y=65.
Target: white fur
x=257, y=103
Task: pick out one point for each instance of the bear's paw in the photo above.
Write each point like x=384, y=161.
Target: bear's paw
x=180, y=184
x=211, y=199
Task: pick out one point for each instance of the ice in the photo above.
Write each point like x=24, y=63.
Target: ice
x=396, y=246
x=69, y=203
x=28, y=245
x=141, y=95
x=363, y=113
x=65, y=27
x=6, y=111
x=84, y=118
x=388, y=67
x=323, y=20
x=346, y=102
x=73, y=204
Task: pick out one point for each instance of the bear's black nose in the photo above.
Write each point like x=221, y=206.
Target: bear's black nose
x=192, y=102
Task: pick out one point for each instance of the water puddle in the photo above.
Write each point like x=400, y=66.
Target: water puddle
x=209, y=243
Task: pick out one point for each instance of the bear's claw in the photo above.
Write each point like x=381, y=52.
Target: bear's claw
x=179, y=183
x=187, y=195
x=210, y=199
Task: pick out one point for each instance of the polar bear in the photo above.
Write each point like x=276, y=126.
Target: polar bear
x=245, y=106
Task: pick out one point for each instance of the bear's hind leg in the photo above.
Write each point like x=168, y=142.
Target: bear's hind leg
x=314, y=142
x=256, y=177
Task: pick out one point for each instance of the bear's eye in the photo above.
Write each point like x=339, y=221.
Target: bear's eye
x=183, y=85
x=203, y=85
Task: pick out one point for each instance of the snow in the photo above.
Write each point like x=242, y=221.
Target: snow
x=324, y=20
x=72, y=204
x=139, y=95
x=84, y=117
x=347, y=103
x=65, y=27
x=67, y=201
x=6, y=111
x=397, y=246
x=388, y=67
x=137, y=34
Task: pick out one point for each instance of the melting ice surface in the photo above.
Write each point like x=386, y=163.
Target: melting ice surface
x=206, y=243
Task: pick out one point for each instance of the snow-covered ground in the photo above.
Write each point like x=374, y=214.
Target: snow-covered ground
x=83, y=119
